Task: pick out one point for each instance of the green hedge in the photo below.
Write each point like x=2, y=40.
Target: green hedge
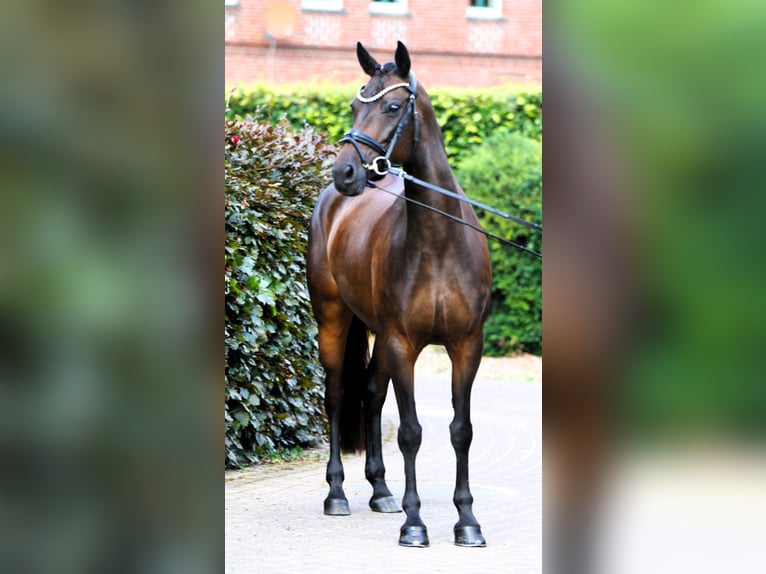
x=506, y=172
x=467, y=117
x=274, y=385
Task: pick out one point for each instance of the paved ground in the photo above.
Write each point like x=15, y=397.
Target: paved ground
x=274, y=519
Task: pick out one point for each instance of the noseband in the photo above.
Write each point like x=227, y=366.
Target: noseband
x=382, y=163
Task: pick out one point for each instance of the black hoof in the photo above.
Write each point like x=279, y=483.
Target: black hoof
x=385, y=504
x=336, y=507
x=469, y=536
x=413, y=536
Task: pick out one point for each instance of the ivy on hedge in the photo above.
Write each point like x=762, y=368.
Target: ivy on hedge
x=467, y=117
x=274, y=385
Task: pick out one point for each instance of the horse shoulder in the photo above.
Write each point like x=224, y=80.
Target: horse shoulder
x=321, y=283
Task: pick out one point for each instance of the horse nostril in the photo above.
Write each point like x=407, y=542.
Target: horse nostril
x=345, y=175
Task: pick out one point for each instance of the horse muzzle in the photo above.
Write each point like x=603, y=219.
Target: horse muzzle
x=349, y=179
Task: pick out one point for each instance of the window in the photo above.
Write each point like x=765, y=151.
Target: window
x=388, y=7
x=323, y=5
x=486, y=9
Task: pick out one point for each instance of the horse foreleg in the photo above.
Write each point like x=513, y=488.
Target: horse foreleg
x=465, y=363
x=401, y=358
x=377, y=386
x=331, y=350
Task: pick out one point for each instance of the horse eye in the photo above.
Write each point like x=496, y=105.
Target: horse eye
x=394, y=107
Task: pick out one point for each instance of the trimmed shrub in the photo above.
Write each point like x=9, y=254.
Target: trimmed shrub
x=467, y=117
x=274, y=385
x=506, y=172
x=326, y=109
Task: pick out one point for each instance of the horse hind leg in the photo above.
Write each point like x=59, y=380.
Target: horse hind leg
x=465, y=363
x=375, y=395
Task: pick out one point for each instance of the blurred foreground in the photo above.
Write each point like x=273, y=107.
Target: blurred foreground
x=110, y=220
x=654, y=316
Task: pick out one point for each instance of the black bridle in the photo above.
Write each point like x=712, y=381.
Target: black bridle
x=381, y=165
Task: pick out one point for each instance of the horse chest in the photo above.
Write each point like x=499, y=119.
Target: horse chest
x=431, y=300
x=395, y=283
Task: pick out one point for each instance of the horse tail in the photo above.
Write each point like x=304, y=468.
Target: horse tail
x=355, y=361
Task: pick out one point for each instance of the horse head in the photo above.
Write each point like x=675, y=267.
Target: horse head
x=385, y=127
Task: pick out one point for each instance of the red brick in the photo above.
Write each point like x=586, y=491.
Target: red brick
x=447, y=48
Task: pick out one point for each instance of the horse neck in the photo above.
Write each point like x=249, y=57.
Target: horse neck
x=430, y=164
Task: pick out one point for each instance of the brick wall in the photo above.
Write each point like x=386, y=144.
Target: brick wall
x=447, y=48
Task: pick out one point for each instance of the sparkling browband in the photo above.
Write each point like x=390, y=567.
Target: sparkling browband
x=380, y=94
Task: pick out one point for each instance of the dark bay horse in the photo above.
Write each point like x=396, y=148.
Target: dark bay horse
x=411, y=276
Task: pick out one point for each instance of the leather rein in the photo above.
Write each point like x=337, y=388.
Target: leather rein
x=381, y=165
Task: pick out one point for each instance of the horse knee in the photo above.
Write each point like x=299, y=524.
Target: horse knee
x=332, y=401
x=333, y=387
x=410, y=437
x=461, y=435
x=374, y=396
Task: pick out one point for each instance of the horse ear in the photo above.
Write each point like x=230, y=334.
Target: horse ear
x=402, y=59
x=368, y=63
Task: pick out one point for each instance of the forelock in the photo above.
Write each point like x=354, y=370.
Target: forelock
x=388, y=68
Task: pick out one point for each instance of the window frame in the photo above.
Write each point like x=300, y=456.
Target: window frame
x=322, y=5
x=492, y=12
x=396, y=8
